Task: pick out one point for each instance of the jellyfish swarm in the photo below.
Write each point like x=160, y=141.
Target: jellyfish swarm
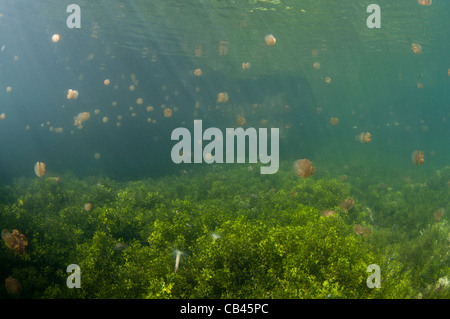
x=72, y=94
x=15, y=240
x=39, y=169
x=80, y=118
x=303, y=168
x=417, y=157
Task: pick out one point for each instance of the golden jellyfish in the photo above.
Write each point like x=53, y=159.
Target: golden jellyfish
x=72, y=94
x=343, y=177
x=316, y=65
x=419, y=85
x=131, y=88
x=12, y=286
x=348, y=204
x=328, y=80
x=417, y=49
x=364, y=137
x=448, y=72
x=222, y=97
x=15, y=240
x=55, y=38
x=87, y=206
x=80, y=118
x=168, y=112
x=198, y=72
x=39, y=169
x=425, y=2
x=417, y=157
x=97, y=156
x=241, y=121
x=139, y=101
x=8, y=89
x=2, y=116
x=105, y=119
x=270, y=40
x=303, y=168
x=106, y=82
x=246, y=65
x=327, y=213
x=334, y=121
x=149, y=108
x=438, y=214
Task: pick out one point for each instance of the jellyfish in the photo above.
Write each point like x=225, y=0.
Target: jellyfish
x=39, y=169
x=334, y=121
x=139, y=101
x=420, y=85
x=417, y=49
x=120, y=246
x=246, y=65
x=55, y=38
x=178, y=254
x=106, y=82
x=131, y=88
x=198, y=72
x=425, y=2
x=222, y=97
x=328, y=213
x=167, y=112
x=270, y=40
x=241, y=121
x=72, y=94
x=2, y=116
x=364, y=137
x=105, y=119
x=87, y=206
x=448, y=72
x=438, y=214
x=13, y=287
x=328, y=80
x=417, y=157
x=316, y=65
x=15, y=240
x=8, y=89
x=348, y=204
x=303, y=168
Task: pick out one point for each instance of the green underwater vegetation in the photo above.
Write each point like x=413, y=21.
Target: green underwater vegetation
x=226, y=233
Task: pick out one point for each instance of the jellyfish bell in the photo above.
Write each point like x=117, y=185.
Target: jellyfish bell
x=327, y=213
x=55, y=38
x=106, y=82
x=303, y=168
x=39, y=169
x=417, y=49
x=316, y=65
x=222, y=97
x=167, y=112
x=328, y=80
x=425, y=2
x=348, y=204
x=364, y=137
x=270, y=40
x=198, y=72
x=334, y=121
x=417, y=157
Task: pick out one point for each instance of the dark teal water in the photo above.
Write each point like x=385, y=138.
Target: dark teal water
x=374, y=83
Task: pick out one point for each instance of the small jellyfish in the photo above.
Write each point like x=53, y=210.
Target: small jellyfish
x=270, y=40
x=364, y=137
x=72, y=94
x=13, y=287
x=417, y=157
x=105, y=119
x=246, y=65
x=55, y=38
x=222, y=97
x=167, y=112
x=39, y=169
x=198, y=72
x=448, y=72
x=328, y=80
x=97, y=156
x=348, y=204
x=316, y=65
x=139, y=101
x=87, y=206
x=419, y=85
x=2, y=116
x=334, y=121
x=241, y=121
x=328, y=213
x=417, y=49
x=106, y=82
x=303, y=168
x=425, y=2
x=438, y=214
x=131, y=88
